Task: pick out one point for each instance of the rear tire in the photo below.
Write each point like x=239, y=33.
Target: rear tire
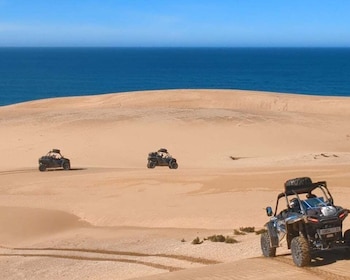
x=266, y=248
x=347, y=236
x=66, y=165
x=347, y=240
x=300, y=251
x=42, y=167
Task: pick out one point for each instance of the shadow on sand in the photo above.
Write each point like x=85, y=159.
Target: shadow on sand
x=327, y=257
x=72, y=169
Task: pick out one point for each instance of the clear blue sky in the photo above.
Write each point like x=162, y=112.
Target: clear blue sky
x=172, y=23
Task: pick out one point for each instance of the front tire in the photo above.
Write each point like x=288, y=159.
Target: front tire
x=300, y=251
x=66, y=165
x=42, y=167
x=266, y=248
x=151, y=164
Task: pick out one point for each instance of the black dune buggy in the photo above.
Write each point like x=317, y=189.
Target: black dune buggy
x=161, y=158
x=54, y=159
x=309, y=223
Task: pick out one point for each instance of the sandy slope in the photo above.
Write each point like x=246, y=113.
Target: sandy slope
x=112, y=218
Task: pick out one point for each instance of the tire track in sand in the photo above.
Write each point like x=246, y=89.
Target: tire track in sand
x=18, y=171
x=41, y=252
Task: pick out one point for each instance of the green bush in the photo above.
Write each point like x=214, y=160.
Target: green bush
x=261, y=231
x=230, y=240
x=217, y=238
x=237, y=232
x=247, y=229
x=197, y=241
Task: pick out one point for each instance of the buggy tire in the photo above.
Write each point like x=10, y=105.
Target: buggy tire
x=266, y=248
x=347, y=236
x=66, y=165
x=300, y=251
x=42, y=167
x=173, y=165
x=299, y=182
x=151, y=164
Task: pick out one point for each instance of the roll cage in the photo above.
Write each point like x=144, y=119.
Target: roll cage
x=296, y=191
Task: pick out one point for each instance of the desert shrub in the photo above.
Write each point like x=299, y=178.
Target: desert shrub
x=230, y=240
x=197, y=241
x=234, y=158
x=237, y=232
x=260, y=231
x=247, y=229
x=217, y=238
x=183, y=240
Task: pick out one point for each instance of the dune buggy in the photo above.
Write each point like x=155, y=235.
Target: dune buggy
x=54, y=159
x=161, y=158
x=309, y=223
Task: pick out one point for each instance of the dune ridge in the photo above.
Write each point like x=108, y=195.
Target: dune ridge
x=112, y=218
x=196, y=99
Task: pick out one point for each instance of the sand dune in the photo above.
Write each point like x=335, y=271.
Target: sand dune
x=112, y=218
x=23, y=223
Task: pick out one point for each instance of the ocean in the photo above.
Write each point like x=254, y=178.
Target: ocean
x=36, y=73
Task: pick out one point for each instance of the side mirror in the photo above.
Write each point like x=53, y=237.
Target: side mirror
x=269, y=211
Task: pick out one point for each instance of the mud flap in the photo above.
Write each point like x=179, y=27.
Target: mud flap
x=273, y=234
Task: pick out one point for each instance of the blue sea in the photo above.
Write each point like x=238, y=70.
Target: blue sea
x=36, y=73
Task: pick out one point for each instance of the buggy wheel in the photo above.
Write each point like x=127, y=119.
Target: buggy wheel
x=42, y=167
x=173, y=165
x=151, y=164
x=66, y=165
x=346, y=237
x=300, y=251
x=266, y=248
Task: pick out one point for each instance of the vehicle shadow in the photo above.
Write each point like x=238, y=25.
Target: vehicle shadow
x=326, y=257
x=62, y=170
x=76, y=169
x=322, y=258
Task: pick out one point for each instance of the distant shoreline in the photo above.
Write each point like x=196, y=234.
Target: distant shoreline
x=177, y=90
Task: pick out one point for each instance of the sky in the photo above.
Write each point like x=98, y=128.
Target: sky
x=175, y=23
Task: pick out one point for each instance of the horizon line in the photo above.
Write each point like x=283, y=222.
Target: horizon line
x=187, y=47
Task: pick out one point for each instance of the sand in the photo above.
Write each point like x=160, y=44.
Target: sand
x=112, y=218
